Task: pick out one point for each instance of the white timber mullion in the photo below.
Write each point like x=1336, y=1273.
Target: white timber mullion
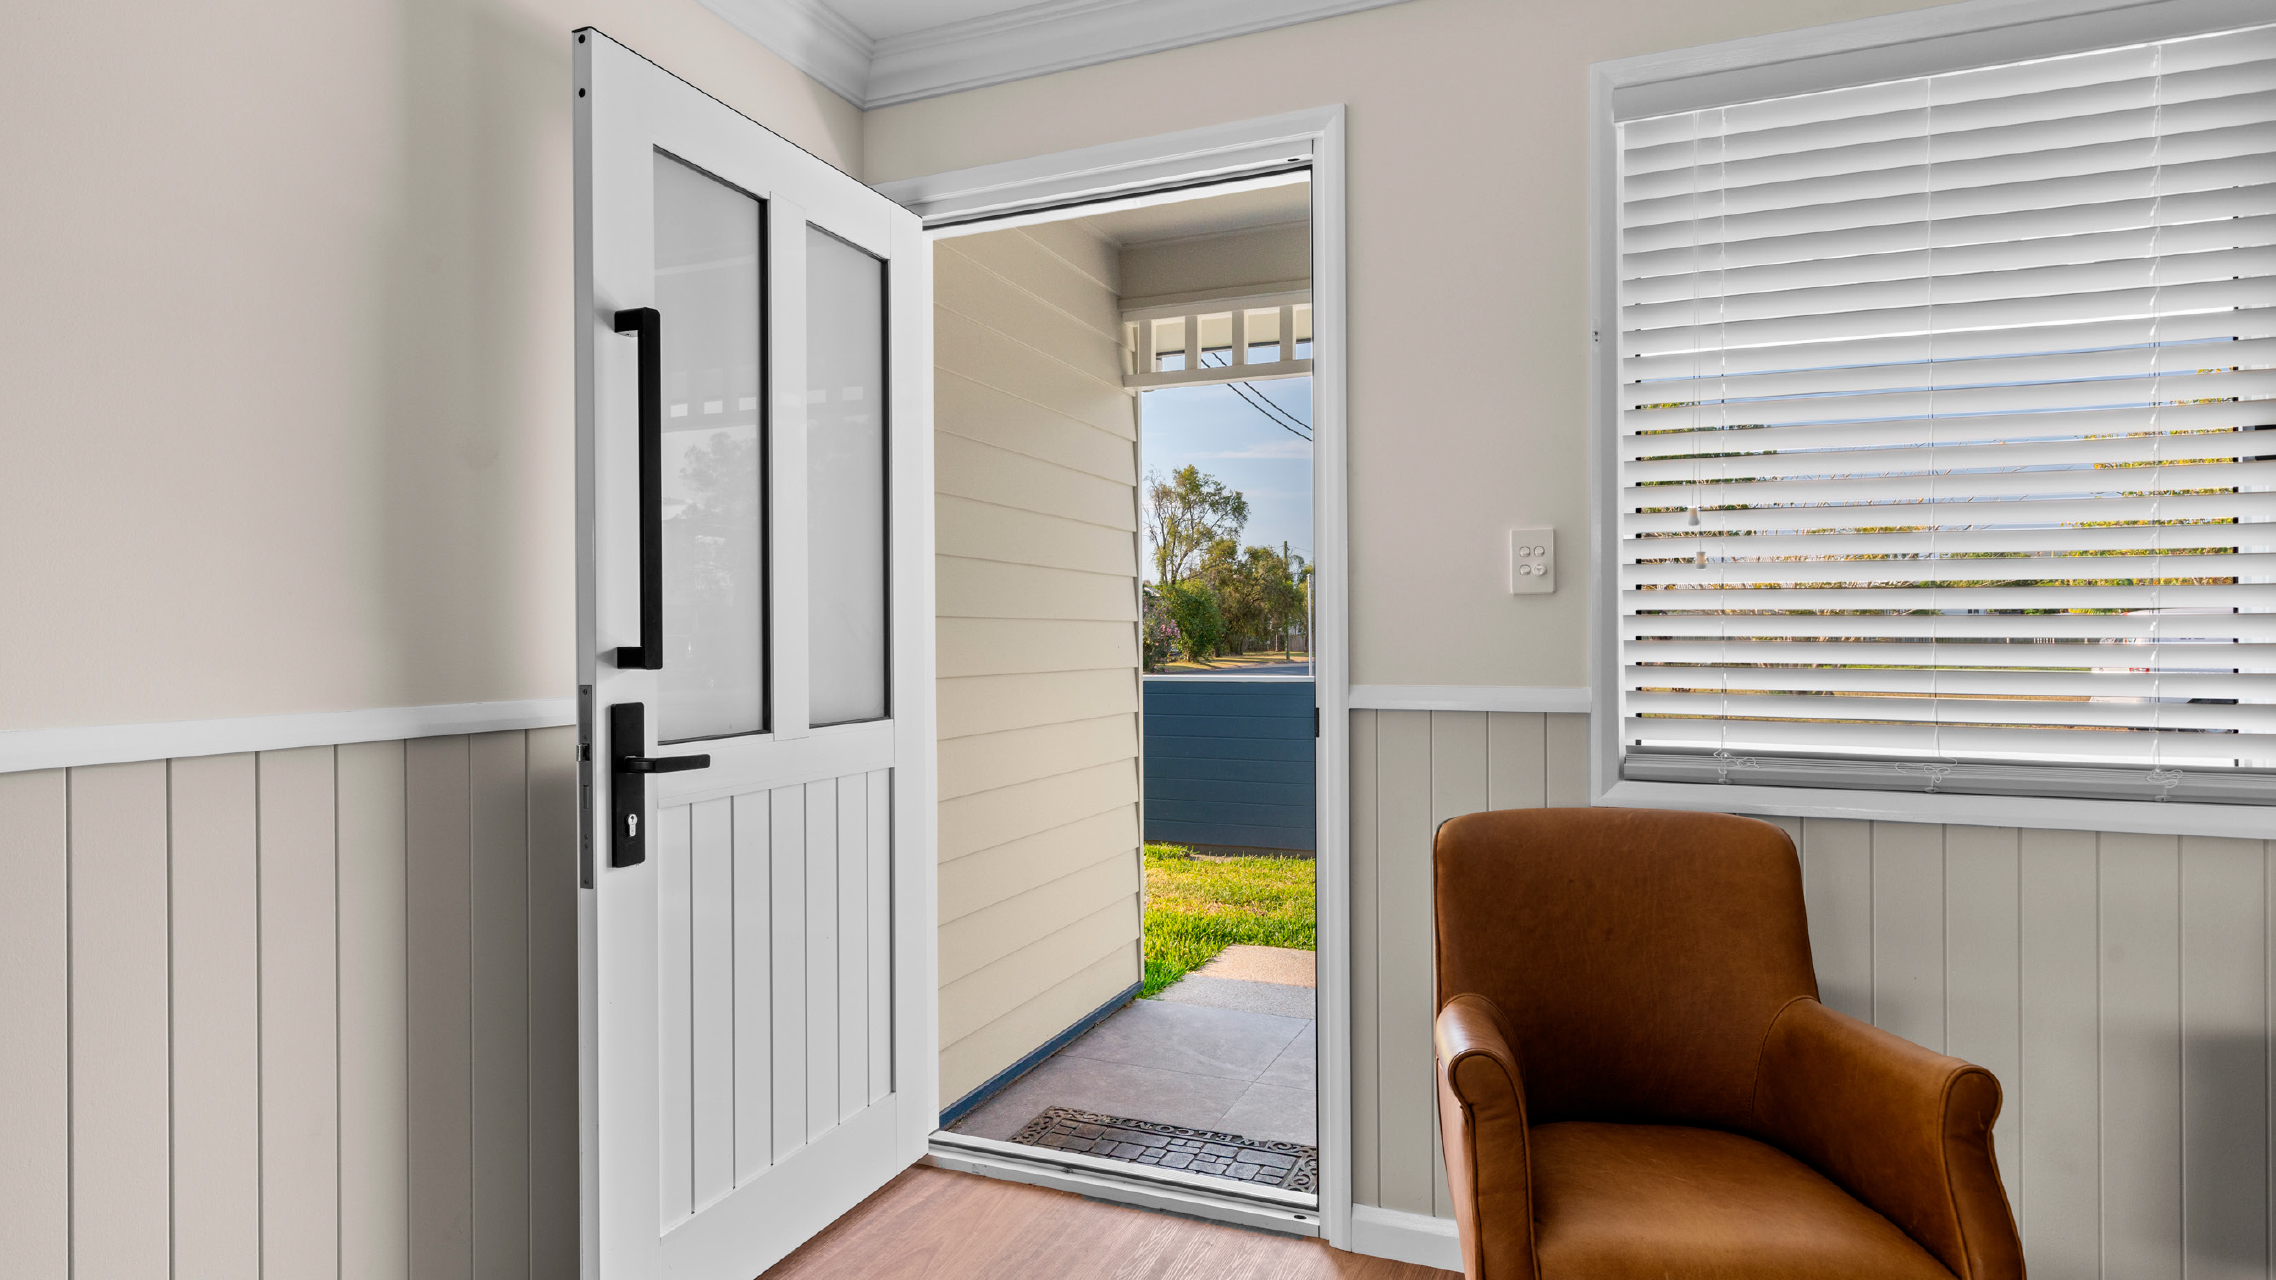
x=786, y=365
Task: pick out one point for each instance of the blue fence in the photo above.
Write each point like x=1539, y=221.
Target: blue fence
x=1229, y=761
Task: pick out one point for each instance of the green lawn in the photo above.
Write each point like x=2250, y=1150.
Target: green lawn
x=1197, y=907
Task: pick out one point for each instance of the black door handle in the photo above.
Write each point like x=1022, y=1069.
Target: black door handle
x=648, y=655
x=662, y=764
x=628, y=781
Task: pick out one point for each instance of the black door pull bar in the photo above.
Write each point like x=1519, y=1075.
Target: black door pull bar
x=648, y=325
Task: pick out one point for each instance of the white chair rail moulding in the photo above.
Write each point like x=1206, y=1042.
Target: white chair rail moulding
x=1935, y=400
x=1468, y=697
x=62, y=748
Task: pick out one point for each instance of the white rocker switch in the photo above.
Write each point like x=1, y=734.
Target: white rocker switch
x=1532, y=561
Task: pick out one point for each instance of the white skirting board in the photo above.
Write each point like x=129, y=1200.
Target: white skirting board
x=1405, y=1237
x=64, y=748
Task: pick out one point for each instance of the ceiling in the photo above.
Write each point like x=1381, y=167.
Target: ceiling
x=1207, y=216
x=875, y=53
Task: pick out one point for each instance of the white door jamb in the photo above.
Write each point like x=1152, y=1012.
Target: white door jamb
x=1159, y=170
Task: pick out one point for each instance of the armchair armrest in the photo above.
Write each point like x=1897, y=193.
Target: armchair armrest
x=1481, y=1118
x=1905, y=1130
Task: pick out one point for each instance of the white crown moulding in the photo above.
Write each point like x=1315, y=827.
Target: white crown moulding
x=1033, y=40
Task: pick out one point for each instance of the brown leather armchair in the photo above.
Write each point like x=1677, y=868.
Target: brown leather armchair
x=1636, y=1080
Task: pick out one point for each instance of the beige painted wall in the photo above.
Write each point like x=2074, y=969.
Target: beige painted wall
x=2118, y=985
x=1257, y=259
x=1038, y=586
x=1468, y=258
x=286, y=363
x=303, y=1013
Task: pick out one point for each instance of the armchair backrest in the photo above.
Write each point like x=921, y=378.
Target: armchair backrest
x=1639, y=955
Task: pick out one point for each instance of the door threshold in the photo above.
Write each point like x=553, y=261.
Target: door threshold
x=1265, y=1208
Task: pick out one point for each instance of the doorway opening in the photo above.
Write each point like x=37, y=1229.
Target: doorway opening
x=1129, y=768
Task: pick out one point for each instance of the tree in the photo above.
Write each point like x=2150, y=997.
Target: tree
x=1185, y=515
x=1260, y=590
x=1201, y=627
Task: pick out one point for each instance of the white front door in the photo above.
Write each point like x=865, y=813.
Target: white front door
x=755, y=632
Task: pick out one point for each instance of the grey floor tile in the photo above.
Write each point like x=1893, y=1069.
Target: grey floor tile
x=1116, y=1088
x=1191, y=1039
x=1298, y=1066
x=1269, y=1113
x=1242, y=994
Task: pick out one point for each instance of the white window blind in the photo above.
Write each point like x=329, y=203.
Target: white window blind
x=1947, y=431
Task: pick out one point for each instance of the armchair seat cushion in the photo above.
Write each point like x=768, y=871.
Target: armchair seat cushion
x=1665, y=1202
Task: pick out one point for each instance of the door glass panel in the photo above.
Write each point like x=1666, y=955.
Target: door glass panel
x=845, y=469
x=708, y=291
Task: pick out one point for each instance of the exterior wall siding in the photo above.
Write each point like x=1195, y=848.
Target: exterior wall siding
x=2118, y=985
x=306, y=1013
x=1038, y=609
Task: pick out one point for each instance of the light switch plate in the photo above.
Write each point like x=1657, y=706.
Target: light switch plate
x=1532, y=561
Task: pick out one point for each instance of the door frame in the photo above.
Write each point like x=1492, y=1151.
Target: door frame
x=1158, y=170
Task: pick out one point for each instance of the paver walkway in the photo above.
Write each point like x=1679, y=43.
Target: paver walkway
x=1231, y=1047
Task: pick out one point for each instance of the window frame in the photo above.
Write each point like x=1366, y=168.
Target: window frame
x=1951, y=37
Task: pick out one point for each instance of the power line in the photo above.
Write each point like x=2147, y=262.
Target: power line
x=1264, y=404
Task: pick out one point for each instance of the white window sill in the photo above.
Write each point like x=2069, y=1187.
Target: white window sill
x=2250, y=822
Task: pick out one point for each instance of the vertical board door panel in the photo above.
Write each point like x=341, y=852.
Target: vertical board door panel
x=852, y=999
x=675, y=1014
x=821, y=958
x=878, y=825
x=711, y=992
x=764, y=909
x=35, y=1006
x=788, y=980
x=754, y=987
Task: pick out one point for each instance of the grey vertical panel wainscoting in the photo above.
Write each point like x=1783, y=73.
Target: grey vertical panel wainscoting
x=2119, y=985
x=303, y=1013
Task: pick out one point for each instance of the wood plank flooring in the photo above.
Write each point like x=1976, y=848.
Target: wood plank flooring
x=931, y=1224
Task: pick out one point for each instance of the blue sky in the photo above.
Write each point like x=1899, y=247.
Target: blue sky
x=1217, y=431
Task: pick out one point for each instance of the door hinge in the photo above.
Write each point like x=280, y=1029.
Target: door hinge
x=1315, y=722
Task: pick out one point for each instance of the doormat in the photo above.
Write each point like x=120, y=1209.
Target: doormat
x=1289, y=1166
